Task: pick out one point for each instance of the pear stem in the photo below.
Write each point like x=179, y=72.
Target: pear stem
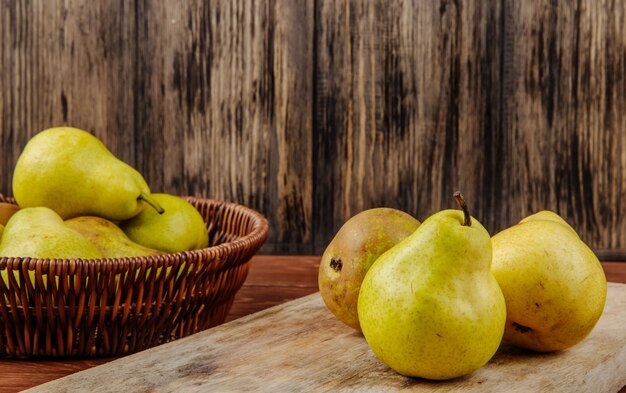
x=150, y=201
x=458, y=197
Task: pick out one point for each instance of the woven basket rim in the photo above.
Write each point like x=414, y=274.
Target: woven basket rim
x=62, y=308
x=255, y=238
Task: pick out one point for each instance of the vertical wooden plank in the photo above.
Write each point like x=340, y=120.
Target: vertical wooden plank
x=564, y=112
x=293, y=63
x=407, y=108
x=66, y=63
x=224, y=107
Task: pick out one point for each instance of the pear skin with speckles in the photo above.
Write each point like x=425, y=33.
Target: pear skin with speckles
x=353, y=250
x=430, y=307
x=553, y=283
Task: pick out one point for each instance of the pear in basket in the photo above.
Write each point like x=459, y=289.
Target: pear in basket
x=179, y=228
x=108, y=237
x=6, y=211
x=73, y=173
x=38, y=232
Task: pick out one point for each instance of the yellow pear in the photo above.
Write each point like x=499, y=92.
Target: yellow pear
x=553, y=283
x=108, y=237
x=73, y=173
x=546, y=215
x=430, y=307
x=38, y=232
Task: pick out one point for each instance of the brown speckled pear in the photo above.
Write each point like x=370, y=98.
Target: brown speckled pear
x=348, y=257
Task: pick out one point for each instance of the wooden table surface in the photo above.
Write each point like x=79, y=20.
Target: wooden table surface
x=272, y=280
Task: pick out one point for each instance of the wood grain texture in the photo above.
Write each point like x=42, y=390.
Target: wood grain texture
x=310, y=111
x=63, y=63
x=226, y=103
x=301, y=346
x=564, y=123
x=407, y=108
x=276, y=279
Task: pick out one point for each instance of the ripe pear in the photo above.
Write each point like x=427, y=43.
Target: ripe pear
x=353, y=250
x=1, y=231
x=38, y=232
x=430, y=307
x=179, y=228
x=6, y=211
x=108, y=237
x=554, y=285
x=546, y=215
x=73, y=173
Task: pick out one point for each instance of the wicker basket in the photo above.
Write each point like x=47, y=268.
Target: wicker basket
x=62, y=308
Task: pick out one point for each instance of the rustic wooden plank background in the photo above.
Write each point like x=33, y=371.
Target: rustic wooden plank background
x=311, y=111
x=408, y=102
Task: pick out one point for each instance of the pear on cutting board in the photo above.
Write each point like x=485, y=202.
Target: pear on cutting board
x=108, y=237
x=430, y=306
x=353, y=250
x=73, y=173
x=553, y=283
x=179, y=228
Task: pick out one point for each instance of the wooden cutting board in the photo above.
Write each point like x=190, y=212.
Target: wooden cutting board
x=300, y=346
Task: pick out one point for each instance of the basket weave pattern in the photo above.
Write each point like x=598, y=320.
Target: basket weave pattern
x=108, y=307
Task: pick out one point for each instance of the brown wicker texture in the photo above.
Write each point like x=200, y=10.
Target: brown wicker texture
x=62, y=308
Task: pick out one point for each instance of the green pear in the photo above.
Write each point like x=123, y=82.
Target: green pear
x=553, y=283
x=38, y=232
x=430, y=307
x=73, y=173
x=108, y=237
x=179, y=228
x=353, y=250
